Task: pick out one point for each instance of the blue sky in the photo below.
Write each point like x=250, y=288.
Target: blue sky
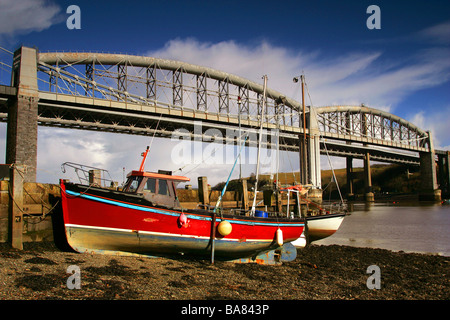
x=403, y=68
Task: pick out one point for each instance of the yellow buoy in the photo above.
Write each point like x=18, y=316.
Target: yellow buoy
x=279, y=237
x=224, y=228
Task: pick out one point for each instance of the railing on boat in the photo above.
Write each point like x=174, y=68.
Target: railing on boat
x=90, y=175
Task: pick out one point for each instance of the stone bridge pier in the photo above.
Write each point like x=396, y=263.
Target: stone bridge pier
x=428, y=175
x=22, y=128
x=444, y=174
x=434, y=183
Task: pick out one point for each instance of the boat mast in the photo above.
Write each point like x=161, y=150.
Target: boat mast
x=303, y=160
x=259, y=144
x=304, y=173
x=277, y=164
x=239, y=120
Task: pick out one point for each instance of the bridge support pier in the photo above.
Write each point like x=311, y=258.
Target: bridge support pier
x=349, y=167
x=368, y=195
x=428, y=177
x=22, y=128
x=313, y=170
x=444, y=174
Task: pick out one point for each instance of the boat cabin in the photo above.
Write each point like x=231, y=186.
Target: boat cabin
x=159, y=188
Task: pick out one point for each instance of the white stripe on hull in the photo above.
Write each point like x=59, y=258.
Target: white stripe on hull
x=160, y=233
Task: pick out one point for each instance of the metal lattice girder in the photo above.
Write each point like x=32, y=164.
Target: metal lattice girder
x=259, y=98
x=151, y=82
x=90, y=70
x=53, y=82
x=347, y=123
x=245, y=102
x=277, y=111
x=122, y=80
x=363, y=124
x=84, y=118
x=177, y=80
x=73, y=58
x=224, y=96
x=201, y=93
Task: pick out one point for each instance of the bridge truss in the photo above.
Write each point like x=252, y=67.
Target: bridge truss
x=146, y=96
x=147, y=81
x=181, y=88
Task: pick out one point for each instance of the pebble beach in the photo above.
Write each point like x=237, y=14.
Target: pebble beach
x=41, y=271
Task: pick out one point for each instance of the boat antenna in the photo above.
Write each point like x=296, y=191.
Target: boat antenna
x=144, y=156
x=259, y=143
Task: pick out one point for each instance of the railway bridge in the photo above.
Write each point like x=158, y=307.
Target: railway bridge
x=150, y=96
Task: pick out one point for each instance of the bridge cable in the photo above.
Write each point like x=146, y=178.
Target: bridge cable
x=154, y=133
x=6, y=50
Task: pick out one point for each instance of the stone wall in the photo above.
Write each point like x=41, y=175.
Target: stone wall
x=40, y=201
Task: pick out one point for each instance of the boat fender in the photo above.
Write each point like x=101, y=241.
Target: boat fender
x=279, y=237
x=224, y=228
x=183, y=221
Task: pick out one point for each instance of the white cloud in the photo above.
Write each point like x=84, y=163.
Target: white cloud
x=436, y=121
x=96, y=149
x=25, y=16
x=437, y=34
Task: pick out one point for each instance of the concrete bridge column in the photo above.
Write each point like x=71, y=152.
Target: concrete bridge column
x=22, y=128
x=368, y=179
x=429, y=191
x=349, y=167
x=314, y=174
x=444, y=174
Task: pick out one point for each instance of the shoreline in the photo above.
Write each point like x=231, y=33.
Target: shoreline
x=344, y=243
x=330, y=272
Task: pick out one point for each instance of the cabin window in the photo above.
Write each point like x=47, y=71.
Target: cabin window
x=163, y=188
x=150, y=185
x=133, y=184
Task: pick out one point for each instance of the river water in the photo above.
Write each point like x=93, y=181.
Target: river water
x=408, y=227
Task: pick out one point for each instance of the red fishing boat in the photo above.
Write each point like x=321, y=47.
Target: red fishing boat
x=146, y=218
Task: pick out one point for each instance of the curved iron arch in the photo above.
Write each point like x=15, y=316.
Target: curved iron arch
x=367, y=124
x=355, y=123
x=57, y=63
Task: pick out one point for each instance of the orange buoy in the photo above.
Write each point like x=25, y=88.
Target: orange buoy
x=224, y=228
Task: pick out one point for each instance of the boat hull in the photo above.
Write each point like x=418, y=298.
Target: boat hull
x=100, y=220
x=323, y=226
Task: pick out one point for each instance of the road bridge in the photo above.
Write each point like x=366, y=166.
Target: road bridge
x=146, y=96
